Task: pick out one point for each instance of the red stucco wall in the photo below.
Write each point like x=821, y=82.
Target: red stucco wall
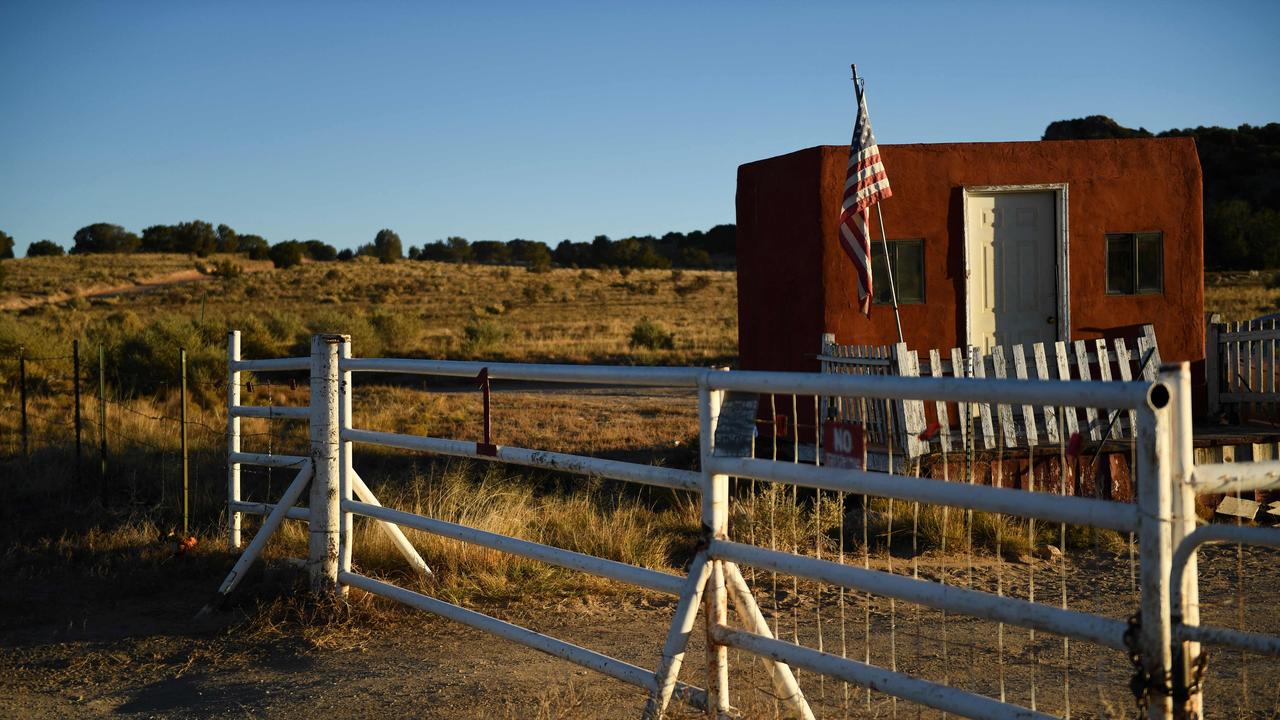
x=1113, y=186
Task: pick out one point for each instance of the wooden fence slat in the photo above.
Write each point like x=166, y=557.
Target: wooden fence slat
x=1028, y=412
x=940, y=407
x=1000, y=369
x=1104, y=374
x=910, y=413
x=896, y=425
x=1042, y=373
x=1082, y=367
x=1212, y=374
x=984, y=409
x=963, y=411
x=1122, y=362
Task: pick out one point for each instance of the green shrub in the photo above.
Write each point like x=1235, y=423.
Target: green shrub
x=227, y=270
x=650, y=335
x=483, y=335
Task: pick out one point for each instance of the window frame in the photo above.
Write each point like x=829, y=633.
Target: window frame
x=877, y=246
x=1133, y=239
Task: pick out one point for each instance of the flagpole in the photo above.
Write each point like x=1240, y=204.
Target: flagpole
x=884, y=239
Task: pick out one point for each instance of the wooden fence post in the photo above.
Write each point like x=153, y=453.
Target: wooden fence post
x=1212, y=365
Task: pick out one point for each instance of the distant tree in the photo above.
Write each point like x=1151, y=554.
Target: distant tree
x=530, y=253
x=1094, y=127
x=45, y=248
x=694, y=257
x=197, y=237
x=386, y=246
x=722, y=240
x=104, y=238
x=437, y=251
x=490, y=252
x=158, y=239
x=346, y=255
x=320, y=251
x=287, y=253
x=254, y=246
x=414, y=253
x=228, y=239
x=574, y=254
x=6, y=245
x=459, y=249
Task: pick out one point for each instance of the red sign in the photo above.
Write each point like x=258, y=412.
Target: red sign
x=843, y=445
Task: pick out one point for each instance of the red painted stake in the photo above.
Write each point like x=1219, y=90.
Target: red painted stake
x=487, y=447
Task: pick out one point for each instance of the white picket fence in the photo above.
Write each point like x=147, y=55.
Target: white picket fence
x=1241, y=366
x=898, y=425
x=1165, y=642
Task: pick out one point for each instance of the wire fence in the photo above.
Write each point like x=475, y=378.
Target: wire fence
x=71, y=426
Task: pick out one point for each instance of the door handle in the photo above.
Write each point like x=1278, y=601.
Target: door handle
x=1051, y=320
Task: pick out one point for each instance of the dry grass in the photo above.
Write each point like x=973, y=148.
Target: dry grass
x=1240, y=296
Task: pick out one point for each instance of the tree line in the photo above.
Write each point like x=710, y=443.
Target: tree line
x=696, y=249
x=1241, y=169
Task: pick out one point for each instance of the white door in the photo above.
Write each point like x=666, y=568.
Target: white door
x=1013, y=286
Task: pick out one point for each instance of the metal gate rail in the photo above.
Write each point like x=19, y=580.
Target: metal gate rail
x=1159, y=518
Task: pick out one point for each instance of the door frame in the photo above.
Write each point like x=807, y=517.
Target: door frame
x=1063, y=274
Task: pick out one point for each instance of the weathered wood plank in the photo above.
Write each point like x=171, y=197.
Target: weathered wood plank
x=1063, y=360
x=984, y=409
x=1028, y=411
x=963, y=411
x=1042, y=373
x=1123, y=361
x=1000, y=369
x=1090, y=414
x=940, y=408
x=1104, y=374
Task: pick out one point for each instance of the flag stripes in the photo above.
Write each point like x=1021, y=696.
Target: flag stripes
x=865, y=184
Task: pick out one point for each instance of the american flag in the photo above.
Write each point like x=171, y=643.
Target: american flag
x=865, y=184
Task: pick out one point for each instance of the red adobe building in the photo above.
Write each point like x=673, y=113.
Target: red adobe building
x=991, y=243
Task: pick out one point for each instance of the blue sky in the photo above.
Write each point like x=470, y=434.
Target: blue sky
x=552, y=120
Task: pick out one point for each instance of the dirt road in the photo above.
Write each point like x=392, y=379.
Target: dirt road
x=75, y=644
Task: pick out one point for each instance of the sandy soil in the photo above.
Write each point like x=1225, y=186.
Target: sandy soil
x=73, y=644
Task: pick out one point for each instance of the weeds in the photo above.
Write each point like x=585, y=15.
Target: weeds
x=651, y=336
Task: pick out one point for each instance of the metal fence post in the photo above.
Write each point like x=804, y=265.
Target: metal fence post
x=324, y=525
x=346, y=470
x=1188, y=701
x=233, y=439
x=22, y=395
x=715, y=524
x=186, y=501
x=75, y=382
x=102, y=423
x=1155, y=516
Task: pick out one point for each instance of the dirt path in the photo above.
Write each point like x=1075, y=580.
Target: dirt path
x=127, y=647
x=149, y=284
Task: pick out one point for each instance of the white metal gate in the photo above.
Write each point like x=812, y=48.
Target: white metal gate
x=1162, y=637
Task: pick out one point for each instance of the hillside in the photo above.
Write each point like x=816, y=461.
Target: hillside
x=1241, y=185
x=420, y=308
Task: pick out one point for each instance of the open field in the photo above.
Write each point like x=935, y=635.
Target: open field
x=96, y=618
x=407, y=308
x=1242, y=295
